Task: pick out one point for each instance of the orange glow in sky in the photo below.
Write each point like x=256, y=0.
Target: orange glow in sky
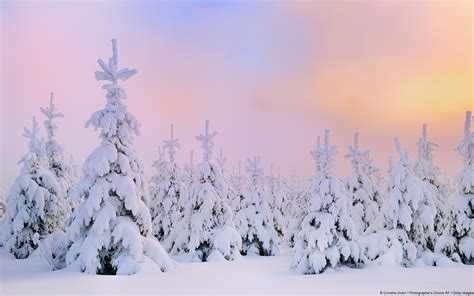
x=269, y=75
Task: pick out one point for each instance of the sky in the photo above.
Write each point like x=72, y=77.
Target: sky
x=269, y=75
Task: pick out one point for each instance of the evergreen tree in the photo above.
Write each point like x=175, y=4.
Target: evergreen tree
x=295, y=208
x=428, y=172
x=64, y=171
x=457, y=240
x=237, y=189
x=254, y=220
x=327, y=235
x=221, y=161
x=363, y=191
x=110, y=232
x=2, y=205
x=167, y=192
x=408, y=214
x=188, y=171
x=33, y=207
x=276, y=197
x=206, y=232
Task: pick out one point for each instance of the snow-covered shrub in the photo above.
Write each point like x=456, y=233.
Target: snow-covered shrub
x=327, y=235
x=33, y=207
x=388, y=247
x=110, y=232
x=168, y=194
x=457, y=240
x=362, y=189
x=254, y=220
x=206, y=232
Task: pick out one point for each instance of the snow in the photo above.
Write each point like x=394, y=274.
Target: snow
x=248, y=275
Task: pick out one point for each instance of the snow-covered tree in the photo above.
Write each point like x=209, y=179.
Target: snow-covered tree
x=188, y=171
x=424, y=167
x=206, y=232
x=428, y=172
x=33, y=206
x=110, y=232
x=276, y=197
x=363, y=191
x=237, y=189
x=457, y=240
x=167, y=192
x=2, y=203
x=254, y=220
x=409, y=209
x=221, y=161
x=295, y=208
x=64, y=171
x=327, y=235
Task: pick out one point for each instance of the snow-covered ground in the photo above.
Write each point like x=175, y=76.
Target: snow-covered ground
x=254, y=275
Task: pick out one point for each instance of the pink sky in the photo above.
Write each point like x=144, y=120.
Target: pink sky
x=270, y=76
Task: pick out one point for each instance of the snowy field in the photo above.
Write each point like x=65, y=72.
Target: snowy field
x=254, y=275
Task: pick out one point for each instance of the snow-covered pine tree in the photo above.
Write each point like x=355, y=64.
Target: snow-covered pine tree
x=363, y=191
x=424, y=167
x=33, y=207
x=407, y=217
x=221, y=161
x=237, y=189
x=295, y=208
x=206, y=232
x=64, y=171
x=428, y=172
x=2, y=204
x=188, y=171
x=327, y=235
x=254, y=220
x=168, y=193
x=457, y=240
x=276, y=198
x=110, y=232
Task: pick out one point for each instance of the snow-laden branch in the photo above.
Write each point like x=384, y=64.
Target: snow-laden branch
x=51, y=112
x=207, y=142
x=172, y=144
